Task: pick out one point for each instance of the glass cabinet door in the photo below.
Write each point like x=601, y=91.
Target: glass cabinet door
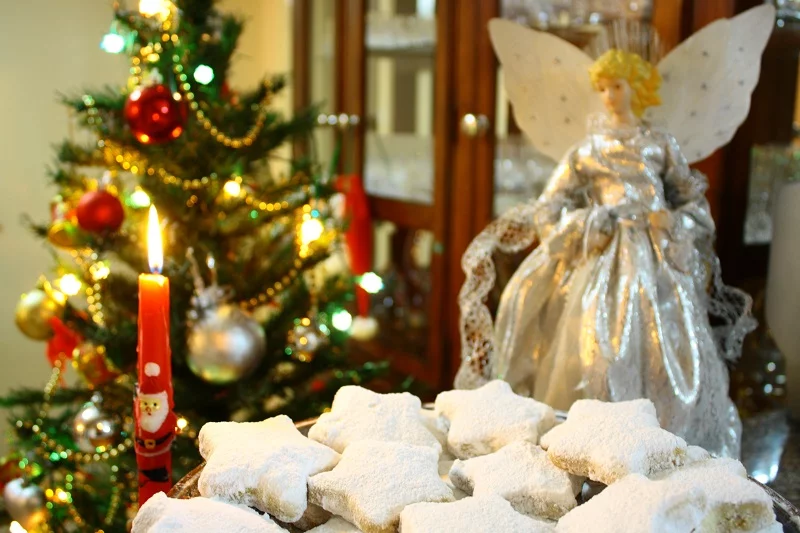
x=395, y=155
x=400, y=43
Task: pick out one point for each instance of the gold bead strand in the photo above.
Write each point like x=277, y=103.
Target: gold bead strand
x=185, y=88
x=270, y=294
x=133, y=162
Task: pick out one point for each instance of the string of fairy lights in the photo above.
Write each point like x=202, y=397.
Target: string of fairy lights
x=50, y=450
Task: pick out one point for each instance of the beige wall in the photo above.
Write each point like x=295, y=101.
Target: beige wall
x=48, y=46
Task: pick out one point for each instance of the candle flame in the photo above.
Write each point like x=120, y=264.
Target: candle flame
x=155, y=250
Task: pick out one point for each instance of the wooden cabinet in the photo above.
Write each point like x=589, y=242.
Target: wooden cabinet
x=435, y=144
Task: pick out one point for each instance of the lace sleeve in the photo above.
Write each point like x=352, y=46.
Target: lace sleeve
x=685, y=191
x=514, y=231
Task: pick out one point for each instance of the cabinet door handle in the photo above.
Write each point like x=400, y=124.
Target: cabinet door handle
x=474, y=125
x=342, y=121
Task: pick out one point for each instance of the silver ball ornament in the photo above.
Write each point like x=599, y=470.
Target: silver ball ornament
x=92, y=428
x=225, y=345
x=25, y=503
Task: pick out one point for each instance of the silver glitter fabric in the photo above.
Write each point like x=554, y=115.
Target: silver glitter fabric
x=618, y=298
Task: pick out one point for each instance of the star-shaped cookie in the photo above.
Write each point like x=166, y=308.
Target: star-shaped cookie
x=376, y=480
x=607, y=441
x=637, y=504
x=265, y=465
x=522, y=474
x=335, y=525
x=470, y=515
x=484, y=420
x=166, y=515
x=360, y=414
x=734, y=502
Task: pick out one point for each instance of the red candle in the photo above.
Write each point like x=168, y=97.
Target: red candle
x=155, y=421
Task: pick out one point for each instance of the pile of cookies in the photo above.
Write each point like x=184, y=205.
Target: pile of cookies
x=485, y=460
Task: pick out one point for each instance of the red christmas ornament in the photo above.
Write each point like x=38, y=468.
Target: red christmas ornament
x=9, y=470
x=318, y=385
x=155, y=114
x=100, y=211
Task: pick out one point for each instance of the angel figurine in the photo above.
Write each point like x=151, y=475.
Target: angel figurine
x=622, y=296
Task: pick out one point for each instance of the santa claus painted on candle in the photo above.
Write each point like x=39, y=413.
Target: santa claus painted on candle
x=155, y=431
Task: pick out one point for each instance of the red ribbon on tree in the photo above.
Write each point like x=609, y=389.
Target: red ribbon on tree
x=62, y=343
x=359, y=232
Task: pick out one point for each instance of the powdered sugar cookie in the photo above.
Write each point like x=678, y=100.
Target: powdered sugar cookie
x=735, y=504
x=265, y=465
x=375, y=480
x=165, y=515
x=636, y=504
x=522, y=474
x=470, y=515
x=336, y=525
x=360, y=414
x=484, y=420
x=607, y=441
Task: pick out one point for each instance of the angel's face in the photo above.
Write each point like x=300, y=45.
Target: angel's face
x=616, y=95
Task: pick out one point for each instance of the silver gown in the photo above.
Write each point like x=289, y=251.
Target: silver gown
x=615, y=300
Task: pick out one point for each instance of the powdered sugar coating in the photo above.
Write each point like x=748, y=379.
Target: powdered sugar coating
x=607, y=441
x=265, y=465
x=335, y=525
x=522, y=474
x=711, y=495
x=359, y=414
x=735, y=503
x=484, y=420
x=375, y=480
x=636, y=504
x=775, y=527
x=470, y=515
x=165, y=515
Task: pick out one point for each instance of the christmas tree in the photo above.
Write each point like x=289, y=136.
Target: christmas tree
x=257, y=323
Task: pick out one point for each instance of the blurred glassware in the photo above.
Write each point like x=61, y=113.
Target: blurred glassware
x=771, y=166
x=560, y=14
x=392, y=32
x=399, y=167
x=787, y=9
x=521, y=173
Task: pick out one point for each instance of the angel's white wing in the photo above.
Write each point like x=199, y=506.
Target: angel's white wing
x=708, y=80
x=547, y=80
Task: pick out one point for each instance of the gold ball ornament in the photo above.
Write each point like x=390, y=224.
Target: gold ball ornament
x=65, y=234
x=91, y=363
x=92, y=428
x=34, y=311
x=25, y=503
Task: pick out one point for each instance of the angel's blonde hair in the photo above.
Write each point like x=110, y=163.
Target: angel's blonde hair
x=642, y=76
